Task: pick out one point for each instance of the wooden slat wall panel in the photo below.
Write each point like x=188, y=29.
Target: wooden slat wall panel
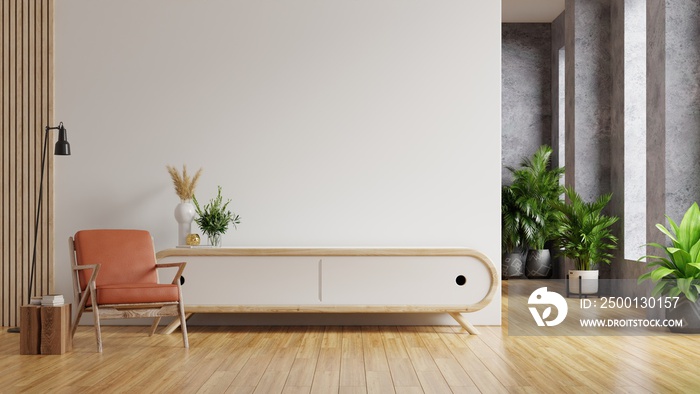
x=26, y=89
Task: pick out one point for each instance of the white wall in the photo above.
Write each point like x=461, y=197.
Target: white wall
x=328, y=123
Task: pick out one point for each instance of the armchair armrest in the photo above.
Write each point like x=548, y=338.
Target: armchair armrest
x=95, y=269
x=89, y=286
x=178, y=274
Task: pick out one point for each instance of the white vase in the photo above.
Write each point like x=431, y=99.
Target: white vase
x=184, y=214
x=589, y=281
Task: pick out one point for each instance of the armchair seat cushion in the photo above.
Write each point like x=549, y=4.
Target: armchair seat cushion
x=136, y=293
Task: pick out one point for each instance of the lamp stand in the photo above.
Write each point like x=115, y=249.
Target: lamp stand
x=65, y=150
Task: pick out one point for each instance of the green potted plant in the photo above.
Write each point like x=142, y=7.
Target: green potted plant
x=214, y=218
x=677, y=274
x=585, y=236
x=536, y=191
x=512, y=236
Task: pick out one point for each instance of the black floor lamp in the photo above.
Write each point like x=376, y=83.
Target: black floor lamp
x=62, y=148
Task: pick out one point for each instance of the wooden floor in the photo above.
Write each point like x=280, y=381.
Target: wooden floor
x=354, y=359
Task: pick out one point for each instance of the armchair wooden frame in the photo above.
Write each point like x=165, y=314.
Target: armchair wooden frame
x=122, y=311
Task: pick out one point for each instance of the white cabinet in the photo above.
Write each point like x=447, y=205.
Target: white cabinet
x=335, y=280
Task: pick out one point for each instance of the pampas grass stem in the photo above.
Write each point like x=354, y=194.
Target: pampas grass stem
x=184, y=184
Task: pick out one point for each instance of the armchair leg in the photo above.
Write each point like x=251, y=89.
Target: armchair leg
x=154, y=326
x=183, y=325
x=75, y=322
x=98, y=331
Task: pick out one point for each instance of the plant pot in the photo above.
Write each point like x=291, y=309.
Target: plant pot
x=538, y=264
x=513, y=264
x=589, y=281
x=687, y=311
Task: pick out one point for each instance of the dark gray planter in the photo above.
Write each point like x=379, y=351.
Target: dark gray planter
x=513, y=264
x=687, y=311
x=538, y=264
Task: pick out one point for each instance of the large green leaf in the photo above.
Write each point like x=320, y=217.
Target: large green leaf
x=656, y=245
x=674, y=292
x=661, y=263
x=665, y=231
x=673, y=224
x=649, y=256
x=659, y=288
x=643, y=277
x=684, y=285
x=694, y=251
x=660, y=273
x=689, y=230
x=691, y=271
x=680, y=257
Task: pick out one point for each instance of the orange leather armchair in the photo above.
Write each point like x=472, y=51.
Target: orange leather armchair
x=115, y=276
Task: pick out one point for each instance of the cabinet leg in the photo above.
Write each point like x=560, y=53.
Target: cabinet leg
x=464, y=323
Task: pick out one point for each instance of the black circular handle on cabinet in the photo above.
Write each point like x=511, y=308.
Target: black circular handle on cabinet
x=182, y=280
x=460, y=280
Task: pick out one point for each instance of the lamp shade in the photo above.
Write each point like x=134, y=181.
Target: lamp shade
x=62, y=146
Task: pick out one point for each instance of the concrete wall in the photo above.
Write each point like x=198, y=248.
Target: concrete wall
x=525, y=91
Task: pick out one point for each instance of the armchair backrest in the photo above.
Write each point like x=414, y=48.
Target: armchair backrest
x=126, y=256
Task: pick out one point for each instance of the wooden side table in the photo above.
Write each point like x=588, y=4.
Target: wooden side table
x=45, y=329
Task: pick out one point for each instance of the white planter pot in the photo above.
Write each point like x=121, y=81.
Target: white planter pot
x=589, y=282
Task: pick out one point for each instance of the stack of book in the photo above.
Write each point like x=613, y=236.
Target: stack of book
x=52, y=300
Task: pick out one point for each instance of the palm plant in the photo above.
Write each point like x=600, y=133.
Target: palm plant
x=512, y=220
x=584, y=232
x=536, y=191
x=679, y=271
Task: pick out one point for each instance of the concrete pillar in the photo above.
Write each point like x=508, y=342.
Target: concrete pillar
x=656, y=119
x=588, y=88
x=673, y=110
x=682, y=31
x=628, y=138
x=558, y=106
x=588, y=81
